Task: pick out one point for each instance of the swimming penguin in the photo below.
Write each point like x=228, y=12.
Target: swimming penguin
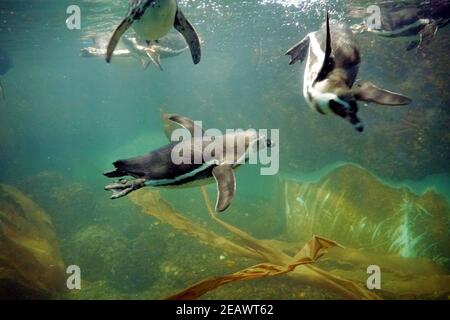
x=152, y=20
x=133, y=50
x=331, y=69
x=157, y=168
x=153, y=52
x=406, y=19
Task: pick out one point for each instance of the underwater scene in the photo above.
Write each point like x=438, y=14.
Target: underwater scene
x=340, y=189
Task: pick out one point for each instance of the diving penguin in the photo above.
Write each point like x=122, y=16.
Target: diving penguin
x=332, y=65
x=131, y=50
x=406, y=19
x=153, y=19
x=157, y=168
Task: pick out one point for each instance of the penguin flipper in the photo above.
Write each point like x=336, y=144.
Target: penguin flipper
x=368, y=92
x=187, y=30
x=226, y=186
x=298, y=52
x=120, y=30
x=427, y=34
x=174, y=121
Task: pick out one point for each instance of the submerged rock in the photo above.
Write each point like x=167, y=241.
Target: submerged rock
x=70, y=205
x=139, y=268
x=30, y=262
x=359, y=210
x=105, y=254
x=96, y=249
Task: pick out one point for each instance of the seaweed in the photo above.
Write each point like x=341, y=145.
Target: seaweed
x=357, y=209
x=275, y=262
x=30, y=262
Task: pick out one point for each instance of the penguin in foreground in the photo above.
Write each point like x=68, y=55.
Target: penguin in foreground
x=152, y=20
x=406, y=19
x=157, y=168
x=332, y=66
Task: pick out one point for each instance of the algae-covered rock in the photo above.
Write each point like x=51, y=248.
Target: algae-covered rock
x=96, y=250
x=103, y=253
x=139, y=268
x=74, y=206
x=30, y=262
x=70, y=205
x=359, y=210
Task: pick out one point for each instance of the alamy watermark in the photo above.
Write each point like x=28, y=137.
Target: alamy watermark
x=374, y=280
x=74, y=280
x=73, y=22
x=373, y=21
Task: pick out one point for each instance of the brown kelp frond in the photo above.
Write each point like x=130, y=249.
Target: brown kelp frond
x=315, y=248
x=348, y=289
x=266, y=251
x=402, y=276
x=310, y=253
x=202, y=287
x=30, y=260
x=275, y=261
x=151, y=203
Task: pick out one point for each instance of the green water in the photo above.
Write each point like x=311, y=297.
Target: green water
x=66, y=118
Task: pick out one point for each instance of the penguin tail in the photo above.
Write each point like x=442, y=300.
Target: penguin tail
x=115, y=174
x=118, y=172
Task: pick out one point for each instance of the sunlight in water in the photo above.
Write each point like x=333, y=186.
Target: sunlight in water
x=287, y=3
x=316, y=7
x=296, y=3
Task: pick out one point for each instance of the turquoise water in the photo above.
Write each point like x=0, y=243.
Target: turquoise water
x=71, y=117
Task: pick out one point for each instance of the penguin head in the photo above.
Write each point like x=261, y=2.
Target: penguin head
x=270, y=143
x=343, y=104
x=264, y=143
x=256, y=141
x=347, y=108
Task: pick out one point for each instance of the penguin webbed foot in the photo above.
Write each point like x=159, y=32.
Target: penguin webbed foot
x=123, y=187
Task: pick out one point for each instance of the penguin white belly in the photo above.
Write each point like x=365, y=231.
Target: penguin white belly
x=316, y=99
x=157, y=20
